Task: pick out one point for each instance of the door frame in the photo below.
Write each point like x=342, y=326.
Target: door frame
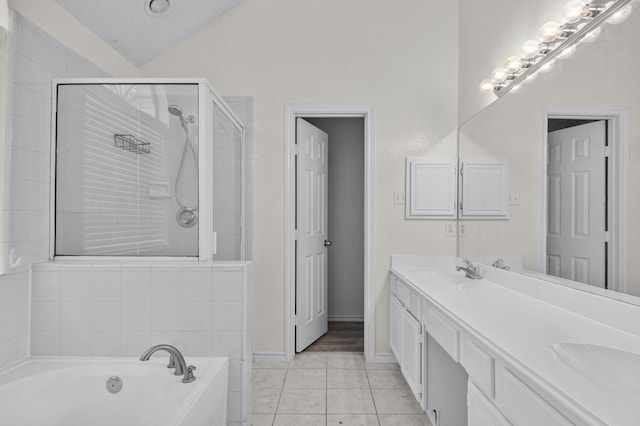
x=618, y=137
x=293, y=111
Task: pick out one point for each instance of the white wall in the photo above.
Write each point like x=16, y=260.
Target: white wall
x=346, y=213
x=400, y=56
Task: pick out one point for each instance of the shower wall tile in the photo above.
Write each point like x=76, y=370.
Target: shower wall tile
x=88, y=309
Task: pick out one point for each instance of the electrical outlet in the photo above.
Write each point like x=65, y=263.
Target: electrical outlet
x=451, y=229
x=514, y=198
x=398, y=197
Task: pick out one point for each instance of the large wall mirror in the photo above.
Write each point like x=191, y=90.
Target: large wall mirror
x=572, y=137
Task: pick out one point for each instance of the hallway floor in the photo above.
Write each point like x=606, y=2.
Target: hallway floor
x=341, y=337
x=332, y=388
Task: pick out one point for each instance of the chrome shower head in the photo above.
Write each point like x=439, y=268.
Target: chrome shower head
x=175, y=110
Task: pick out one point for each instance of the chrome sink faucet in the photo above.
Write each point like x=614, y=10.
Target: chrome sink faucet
x=470, y=271
x=176, y=361
x=499, y=263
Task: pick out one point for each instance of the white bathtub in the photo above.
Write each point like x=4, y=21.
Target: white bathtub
x=72, y=391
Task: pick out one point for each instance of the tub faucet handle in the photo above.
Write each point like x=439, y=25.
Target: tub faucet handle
x=188, y=376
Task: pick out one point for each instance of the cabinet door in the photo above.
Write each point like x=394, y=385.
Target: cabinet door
x=431, y=188
x=484, y=188
x=481, y=411
x=411, y=364
x=395, y=327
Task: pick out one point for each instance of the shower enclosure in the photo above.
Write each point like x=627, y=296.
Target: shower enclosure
x=146, y=168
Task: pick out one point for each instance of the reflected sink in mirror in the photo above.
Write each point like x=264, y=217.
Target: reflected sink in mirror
x=617, y=370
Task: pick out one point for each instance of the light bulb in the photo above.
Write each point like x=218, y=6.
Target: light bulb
x=513, y=64
x=530, y=49
x=549, y=31
x=620, y=16
x=575, y=11
x=499, y=75
x=486, y=86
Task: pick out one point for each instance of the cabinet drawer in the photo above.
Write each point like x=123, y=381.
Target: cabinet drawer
x=522, y=405
x=414, y=308
x=403, y=293
x=479, y=364
x=442, y=330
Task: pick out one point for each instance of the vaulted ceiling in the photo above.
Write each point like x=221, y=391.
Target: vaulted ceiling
x=126, y=25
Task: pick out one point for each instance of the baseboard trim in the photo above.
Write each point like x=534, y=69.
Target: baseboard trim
x=269, y=356
x=384, y=358
x=346, y=318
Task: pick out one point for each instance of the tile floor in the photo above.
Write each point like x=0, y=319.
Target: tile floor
x=332, y=389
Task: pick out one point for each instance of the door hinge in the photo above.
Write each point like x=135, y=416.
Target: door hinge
x=421, y=336
x=606, y=236
x=461, y=170
x=607, y=151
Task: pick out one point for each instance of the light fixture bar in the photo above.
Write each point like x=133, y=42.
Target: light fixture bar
x=572, y=40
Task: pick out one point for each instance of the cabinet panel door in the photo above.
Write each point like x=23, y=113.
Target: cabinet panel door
x=484, y=188
x=411, y=364
x=431, y=188
x=395, y=327
x=481, y=410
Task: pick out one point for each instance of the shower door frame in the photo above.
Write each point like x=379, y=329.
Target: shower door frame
x=207, y=97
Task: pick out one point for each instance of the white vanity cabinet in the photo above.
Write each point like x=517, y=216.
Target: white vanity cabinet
x=436, y=349
x=406, y=339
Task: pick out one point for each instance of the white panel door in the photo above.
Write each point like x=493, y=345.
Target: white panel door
x=311, y=219
x=576, y=191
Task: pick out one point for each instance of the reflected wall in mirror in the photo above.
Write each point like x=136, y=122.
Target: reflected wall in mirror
x=4, y=144
x=600, y=81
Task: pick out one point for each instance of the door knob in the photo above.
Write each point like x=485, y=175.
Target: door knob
x=327, y=243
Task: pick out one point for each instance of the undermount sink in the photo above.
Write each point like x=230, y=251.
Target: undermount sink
x=615, y=369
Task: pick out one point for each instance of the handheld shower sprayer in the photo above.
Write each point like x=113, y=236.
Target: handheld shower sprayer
x=186, y=216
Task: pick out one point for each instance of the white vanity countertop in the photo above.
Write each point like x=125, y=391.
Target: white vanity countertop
x=524, y=328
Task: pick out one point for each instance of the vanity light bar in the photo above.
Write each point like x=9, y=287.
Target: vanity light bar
x=582, y=19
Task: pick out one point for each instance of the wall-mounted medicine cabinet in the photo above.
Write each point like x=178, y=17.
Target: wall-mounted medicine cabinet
x=452, y=187
x=431, y=187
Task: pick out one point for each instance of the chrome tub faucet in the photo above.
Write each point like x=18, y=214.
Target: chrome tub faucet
x=470, y=270
x=176, y=360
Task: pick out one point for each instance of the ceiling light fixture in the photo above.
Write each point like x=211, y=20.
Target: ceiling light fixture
x=582, y=22
x=156, y=8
